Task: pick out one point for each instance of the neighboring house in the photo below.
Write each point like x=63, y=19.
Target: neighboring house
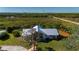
x=10, y=17
x=45, y=33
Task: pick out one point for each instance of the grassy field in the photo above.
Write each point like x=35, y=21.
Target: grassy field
x=68, y=16
x=55, y=45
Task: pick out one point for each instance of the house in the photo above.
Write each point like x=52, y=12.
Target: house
x=45, y=33
x=10, y=17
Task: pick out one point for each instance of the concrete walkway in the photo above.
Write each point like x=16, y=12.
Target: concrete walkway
x=13, y=48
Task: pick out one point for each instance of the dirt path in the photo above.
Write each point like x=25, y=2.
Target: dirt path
x=77, y=23
x=33, y=48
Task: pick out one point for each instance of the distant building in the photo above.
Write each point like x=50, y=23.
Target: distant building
x=45, y=33
x=10, y=17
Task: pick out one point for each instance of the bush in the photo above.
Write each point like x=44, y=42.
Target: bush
x=16, y=26
x=39, y=49
x=9, y=29
x=4, y=36
x=16, y=33
x=2, y=27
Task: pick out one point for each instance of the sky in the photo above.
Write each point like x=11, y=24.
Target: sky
x=40, y=9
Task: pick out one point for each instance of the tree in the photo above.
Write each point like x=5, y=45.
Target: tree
x=9, y=29
x=4, y=36
x=32, y=39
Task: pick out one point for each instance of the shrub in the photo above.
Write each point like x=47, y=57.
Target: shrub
x=39, y=49
x=4, y=36
x=9, y=29
x=16, y=26
x=16, y=33
x=2, y=27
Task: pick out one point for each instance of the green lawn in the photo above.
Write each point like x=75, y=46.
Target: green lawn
x=54, y=44
x=14, y=41
x=57, y=46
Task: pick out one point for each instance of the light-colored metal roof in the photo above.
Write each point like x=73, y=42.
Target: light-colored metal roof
x=39, y=29
x=50, y=31
x=45, y=31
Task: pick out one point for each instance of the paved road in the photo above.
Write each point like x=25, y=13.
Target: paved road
x=77, y=23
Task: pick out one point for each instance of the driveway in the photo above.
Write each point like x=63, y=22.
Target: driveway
x=13, y=48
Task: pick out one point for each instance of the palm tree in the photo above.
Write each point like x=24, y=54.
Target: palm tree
x=33, y=38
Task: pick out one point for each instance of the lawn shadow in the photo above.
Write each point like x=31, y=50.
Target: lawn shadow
x=46, y=40
x=50, y=49
x=46, y=49
x=60, y=38
x=39, y=49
